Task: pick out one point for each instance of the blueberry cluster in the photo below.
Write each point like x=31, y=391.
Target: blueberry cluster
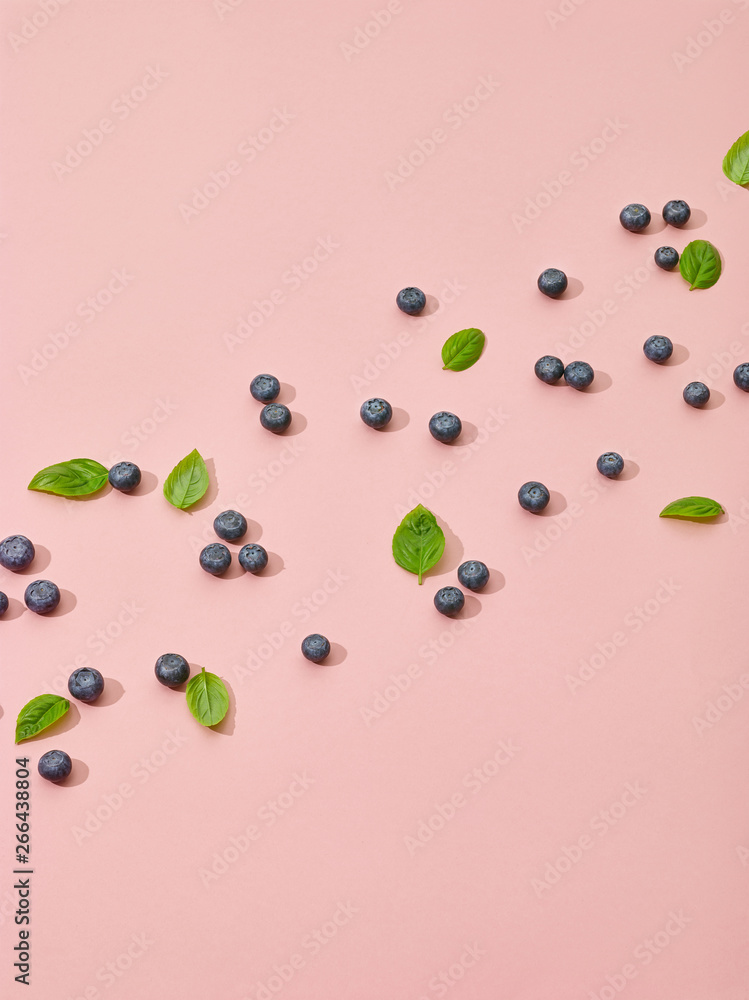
x=16, y=554
x=473, y=575
x=275, y=417
x=230, y=525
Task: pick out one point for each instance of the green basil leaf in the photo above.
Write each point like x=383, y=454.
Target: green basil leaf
x=418, y=542
x=692, y=508
x=462, y=350
x=700, y=264
x=187, y=482
x=736, y=161
x=38, y=714
x=77, y=478
x=207, y=698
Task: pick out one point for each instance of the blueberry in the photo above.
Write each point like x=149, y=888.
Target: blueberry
x=215, y=558
x=124, y=476
x=411, y=300
x=549, y=369
x=230, y=525
x=634, y=218
x=578, y=374
x=696, y=394
x=658, y=349
x=449, y=600
x=666, y=258
x=275, y=417
x=445, y=426
x=172, y=669
x=376, y=412
x=741, y=376
x=676, y=213
x=16, y=552
x=473, y=574
x=3, y=603
x=86, y=684
x=42, y=596
x=552, y=282
x=265, y=388
x=55, y=765
x=533, y=496
x=315, y=647
x=610, y=464
x=253, y=558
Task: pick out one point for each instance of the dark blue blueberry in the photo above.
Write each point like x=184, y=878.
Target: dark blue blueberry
x=411, y=300
x=449, y=601
x=445, y=426
x=16, y=552
x=215, y=558
x=473, y=574
x=55, y=765
x=610, y=464
x=265, y=388
x=549, y=369
x=658, y=349
x=315, y=647
x=376, y=412
x=634, y=217
x=86, y=684
x=253, y=558
x=676, y=213
x=552, y=282
x=666, y=258
x=124, y=476
x=3, y=603
x=696, y=394
x=275, y=417
x=42, y=596
x=741, y=376
x=172, y=669
x=230, y=525
x=578, y=374
x=533, y=496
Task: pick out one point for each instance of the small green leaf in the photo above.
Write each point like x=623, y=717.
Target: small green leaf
x=462, y=350
x=418, y=542
x=207, y=698
x=692, y=508
x=187, y=482
x=736, y=161
x=77, y=478
x=700, y=264
x=38, y=714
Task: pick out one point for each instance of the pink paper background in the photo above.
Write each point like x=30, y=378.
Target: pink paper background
x=636, y=102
